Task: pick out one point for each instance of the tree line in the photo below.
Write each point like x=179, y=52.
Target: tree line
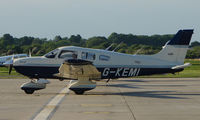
x=124, y=43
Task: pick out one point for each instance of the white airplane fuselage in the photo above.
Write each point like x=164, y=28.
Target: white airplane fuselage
x=110, y=64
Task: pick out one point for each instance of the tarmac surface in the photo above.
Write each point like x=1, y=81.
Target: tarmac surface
x=123, y=99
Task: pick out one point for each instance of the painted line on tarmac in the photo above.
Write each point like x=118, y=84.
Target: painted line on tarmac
x=50, y=108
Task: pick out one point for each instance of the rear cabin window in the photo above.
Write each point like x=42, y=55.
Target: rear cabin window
x=66, y=54
x=104, y=57
x=88, y=55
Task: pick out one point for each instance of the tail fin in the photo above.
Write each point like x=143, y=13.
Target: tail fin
x=175, y=50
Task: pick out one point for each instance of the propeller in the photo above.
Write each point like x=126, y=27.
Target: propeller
x=10, y=68
x=11, y=64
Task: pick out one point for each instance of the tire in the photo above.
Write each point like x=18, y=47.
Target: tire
x=79, y=92
x=29, y=91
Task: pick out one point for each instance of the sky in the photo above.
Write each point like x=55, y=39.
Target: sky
x=48, y=18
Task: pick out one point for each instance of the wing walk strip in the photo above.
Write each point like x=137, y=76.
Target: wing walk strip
x=51, y=107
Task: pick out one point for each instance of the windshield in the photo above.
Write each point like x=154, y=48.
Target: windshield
x=51, y=54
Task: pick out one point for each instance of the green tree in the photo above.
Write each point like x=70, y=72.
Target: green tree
x=195, y=43
x=7, y=39
x=95, y=41
x=57, y=38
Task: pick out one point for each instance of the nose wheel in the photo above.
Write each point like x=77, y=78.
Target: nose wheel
x=31, y=87
x=79, y=92
x=29, y=91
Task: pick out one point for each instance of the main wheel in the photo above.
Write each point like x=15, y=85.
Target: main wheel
x=79, y=92
x=29, y=91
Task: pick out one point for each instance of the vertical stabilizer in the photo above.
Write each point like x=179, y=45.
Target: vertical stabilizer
x=175, y=50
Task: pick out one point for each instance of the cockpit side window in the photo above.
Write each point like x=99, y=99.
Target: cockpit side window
x=66, y=54
x=52, y=54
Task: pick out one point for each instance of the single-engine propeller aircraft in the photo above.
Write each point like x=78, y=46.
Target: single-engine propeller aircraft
x=84, y=66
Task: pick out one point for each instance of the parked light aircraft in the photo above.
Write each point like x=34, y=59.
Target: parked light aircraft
x=85, y=65
x=8, y=59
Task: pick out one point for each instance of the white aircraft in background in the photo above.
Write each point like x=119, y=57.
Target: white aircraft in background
x=4, y=60
x=85, y=65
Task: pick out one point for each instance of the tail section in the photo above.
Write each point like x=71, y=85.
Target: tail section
x=175, y=50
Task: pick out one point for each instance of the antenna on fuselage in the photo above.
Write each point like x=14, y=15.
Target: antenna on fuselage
x=109, y=47
x=29, y=53
x=138, y=51
x=117, y=47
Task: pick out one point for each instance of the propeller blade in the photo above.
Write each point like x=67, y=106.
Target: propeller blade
x=11, y=64
x=10, y=68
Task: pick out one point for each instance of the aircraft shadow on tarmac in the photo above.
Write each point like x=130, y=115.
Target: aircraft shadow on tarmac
x=149, y=94
x=120, y=85
x=139, y=86
x=153, y=80
x=152, y=94
x=145, y=94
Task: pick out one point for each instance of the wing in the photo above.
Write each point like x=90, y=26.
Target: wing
x=77, y=68
x=83, y=72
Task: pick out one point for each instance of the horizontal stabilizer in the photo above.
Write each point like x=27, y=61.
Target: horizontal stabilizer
x=181, y=66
